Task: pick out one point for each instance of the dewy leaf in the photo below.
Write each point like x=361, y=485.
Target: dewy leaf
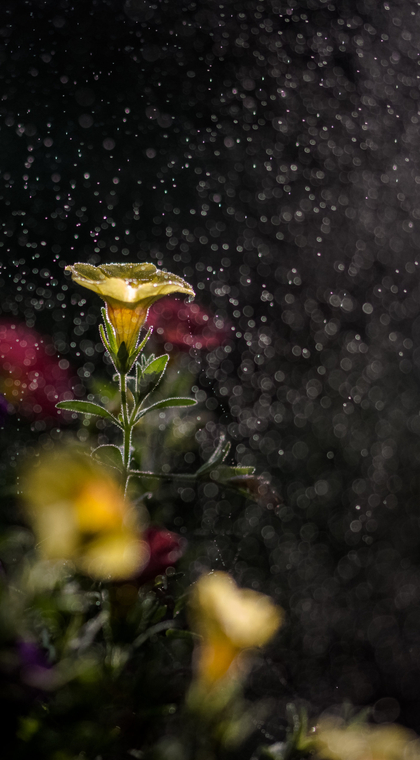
x=243, y=470
x=110, y=332
x=109, y=455
x=149, y=375
x=86, y=407
x=224, y=472
x=104, y=338
x=165, y=404
x=145, y=339
x=157, y=366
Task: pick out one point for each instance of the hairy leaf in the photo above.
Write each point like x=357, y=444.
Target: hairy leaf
x=166, y=403
x=110, y=455
x=86, y=407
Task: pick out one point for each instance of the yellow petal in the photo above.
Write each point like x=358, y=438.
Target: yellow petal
x=78, y=512
x=114, y=556
x=360, y=741
x=99, y=505
x=56, y=529
x=247, y=618
x=230, y=622
x=127, y=323
x=214, y=658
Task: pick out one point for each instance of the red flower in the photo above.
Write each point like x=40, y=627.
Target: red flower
x=165, y=548
x=186, y=325
x=32, y=378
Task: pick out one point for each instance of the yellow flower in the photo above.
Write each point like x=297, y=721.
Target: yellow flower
x=128, y=291
x=78, y=513
x=333, y=740
x=230, y=621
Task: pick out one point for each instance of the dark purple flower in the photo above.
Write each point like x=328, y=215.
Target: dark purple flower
x=33, y=664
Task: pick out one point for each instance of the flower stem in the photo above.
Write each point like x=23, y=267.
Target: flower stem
x=127, y=429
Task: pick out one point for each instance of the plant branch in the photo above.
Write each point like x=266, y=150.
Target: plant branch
x=190, y=477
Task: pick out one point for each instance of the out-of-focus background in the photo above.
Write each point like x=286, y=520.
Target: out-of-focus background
x=268, y=153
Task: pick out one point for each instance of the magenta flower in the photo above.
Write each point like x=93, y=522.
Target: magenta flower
x=186, y=325
x=32, y=377
x=165, y=548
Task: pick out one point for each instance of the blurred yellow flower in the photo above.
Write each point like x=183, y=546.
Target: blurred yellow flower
x=78, y=513
x=333, y=740
x=230, y=621
x=128, y=291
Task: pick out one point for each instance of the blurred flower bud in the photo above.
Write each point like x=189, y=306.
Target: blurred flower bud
x=186, y=325
x=333, y=740
x=165, y=549
x=32, y=378
x=78, y=512
x=230, y=621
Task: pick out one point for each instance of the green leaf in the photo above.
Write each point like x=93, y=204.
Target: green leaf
x=144, y=341
x=159, y=614
x=157, y=366
x=225, y=472
x=86, y=407
x=110, y=332
x=218, y=456
x=242, y=471
x=104, y=338
x=149, y=374
x=110, y=455
x=166, y=403
x=145, y=361
x=179, y=633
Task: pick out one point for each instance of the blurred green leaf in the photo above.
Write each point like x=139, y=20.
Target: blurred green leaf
x=218, y=456
x=178, y=633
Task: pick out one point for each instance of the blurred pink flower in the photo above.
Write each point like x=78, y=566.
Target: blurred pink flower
x=32, y=378
x=187, y=325
x=165, y=548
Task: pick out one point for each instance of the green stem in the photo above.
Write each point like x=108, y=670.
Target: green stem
x=127, y=429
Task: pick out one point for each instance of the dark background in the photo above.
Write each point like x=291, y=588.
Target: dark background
x=269, y=153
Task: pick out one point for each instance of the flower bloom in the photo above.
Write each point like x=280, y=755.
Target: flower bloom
x=31, y=378
x=186, y=325
x=78, y=512
x=128, y=291
x=230, y=621
x=333, y=740
x=165, y=549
